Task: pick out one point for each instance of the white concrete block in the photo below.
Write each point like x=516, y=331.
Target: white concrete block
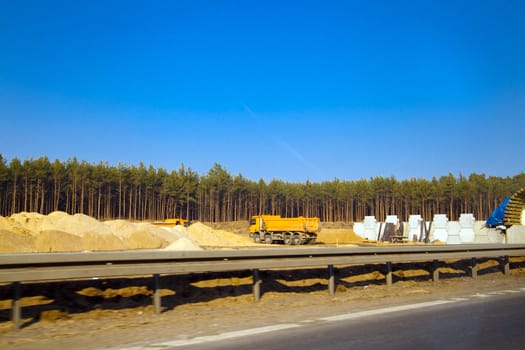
x=414, y=227
x=392, y=219
x=440, y=224
x=516, y=234
x=453, y=230
x=440, y=221
x=359, y=229
x=481, y=232
x=371, y=228
x=467, y=220
x=495, y=236
x=440, y=234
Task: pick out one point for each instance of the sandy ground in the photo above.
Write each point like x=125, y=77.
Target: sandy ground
x=110, y=313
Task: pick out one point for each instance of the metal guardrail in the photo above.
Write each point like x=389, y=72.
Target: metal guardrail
x=30, y=267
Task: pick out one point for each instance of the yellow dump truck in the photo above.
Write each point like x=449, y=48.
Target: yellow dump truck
x=275, y=229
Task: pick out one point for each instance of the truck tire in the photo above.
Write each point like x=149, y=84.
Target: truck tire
x=268, y=238
x=297, y=240
x=287, y=239
x=257, y=238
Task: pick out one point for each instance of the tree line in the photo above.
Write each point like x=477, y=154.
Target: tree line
x=137, y=192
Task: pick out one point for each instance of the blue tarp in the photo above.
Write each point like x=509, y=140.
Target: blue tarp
x=497, y=216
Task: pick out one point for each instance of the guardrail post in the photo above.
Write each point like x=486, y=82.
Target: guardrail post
x=388, y=273
x=506, y=265
x=156, y=293
x=331, y=280
x=256, y=285
x=16, y=307
x=474, y=267
x=435, y=271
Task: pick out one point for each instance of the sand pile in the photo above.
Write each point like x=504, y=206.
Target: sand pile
x=58, y=241
x=183, y=244
x=338, y=236
x=11, y=242
x=206, y=236
x=61, y=232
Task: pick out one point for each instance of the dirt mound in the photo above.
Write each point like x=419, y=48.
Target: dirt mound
x=95, y=242
x=338, y=236
x=239, y=227
x=207, y=236
x=16, y=242
x=143, y=239
x=78, y=224
x=61, y=232
x=30, y=222
x=58, y=241
x=183, y=244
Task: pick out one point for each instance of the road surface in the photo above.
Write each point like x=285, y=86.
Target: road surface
x=493, y=320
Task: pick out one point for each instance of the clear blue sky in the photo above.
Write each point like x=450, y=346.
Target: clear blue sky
x=292, y=90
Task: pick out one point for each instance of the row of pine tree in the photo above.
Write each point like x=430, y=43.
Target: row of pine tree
x=146, y=193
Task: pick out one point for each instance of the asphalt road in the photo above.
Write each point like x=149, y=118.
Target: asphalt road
x=493, y=321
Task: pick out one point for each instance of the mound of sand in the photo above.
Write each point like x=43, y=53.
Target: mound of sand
x=61, y=232
x=58, y=241
x=78, y=224
x=95, y=242
x=30, y=222
x=142, y=239
x=338, y=236
x=183, y=244
x=11, y=242
x=206, y=236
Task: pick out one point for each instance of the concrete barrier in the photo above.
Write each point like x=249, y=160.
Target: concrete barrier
x=516, y=234
x=465, y=231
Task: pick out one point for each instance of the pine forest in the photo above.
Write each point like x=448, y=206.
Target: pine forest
x=138, y=192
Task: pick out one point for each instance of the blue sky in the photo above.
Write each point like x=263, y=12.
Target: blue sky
x=290, y=90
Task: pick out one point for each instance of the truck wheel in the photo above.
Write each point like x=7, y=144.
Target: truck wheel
x=268, y=239
x=296, y=240
x=287, y=239
x=257, y=238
